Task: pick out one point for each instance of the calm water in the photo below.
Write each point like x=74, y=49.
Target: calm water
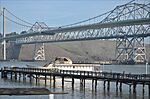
x=78, y=92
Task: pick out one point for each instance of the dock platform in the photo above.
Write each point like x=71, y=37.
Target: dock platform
x=107, y=77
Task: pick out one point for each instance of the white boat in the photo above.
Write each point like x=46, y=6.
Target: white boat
x=64, y=63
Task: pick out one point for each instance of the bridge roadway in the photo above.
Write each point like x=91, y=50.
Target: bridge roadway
x=131, y=22
x=129, y=79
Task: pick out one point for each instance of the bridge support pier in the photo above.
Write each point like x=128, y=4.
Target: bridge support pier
x=130, y=50
x=39, y=51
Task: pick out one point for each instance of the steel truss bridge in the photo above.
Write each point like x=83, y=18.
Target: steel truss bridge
x=128, y=24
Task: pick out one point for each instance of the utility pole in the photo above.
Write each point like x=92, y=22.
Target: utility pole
x=4, y=35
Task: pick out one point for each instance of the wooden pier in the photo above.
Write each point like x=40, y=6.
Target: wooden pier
x=107, y=77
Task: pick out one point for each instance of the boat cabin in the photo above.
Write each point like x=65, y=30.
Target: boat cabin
x=62, y=60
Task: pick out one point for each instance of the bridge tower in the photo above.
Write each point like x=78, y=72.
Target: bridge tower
x=131, y=50
x=39, y=51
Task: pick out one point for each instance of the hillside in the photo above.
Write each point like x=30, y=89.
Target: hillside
x=86, y=51
x=83, y=51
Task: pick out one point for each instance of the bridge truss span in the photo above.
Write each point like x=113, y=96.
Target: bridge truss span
x=127, y=20
x=128, y=24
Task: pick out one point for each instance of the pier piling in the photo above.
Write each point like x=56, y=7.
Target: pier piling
x=50, y=80
x=45, y=80
x=62, y=82
x=134, y=87
x=104, y=84
x=149, y=89
x=108, y=85
x=143, y=88
x=120, y=87
x=72, y=83
x=95, y=84
x=130, y=88
x=116, y=85
x=11, y=75
x=107, y=77
x=92, y=84
x=54, y=80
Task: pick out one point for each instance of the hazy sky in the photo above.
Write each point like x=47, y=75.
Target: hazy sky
x=60, y=12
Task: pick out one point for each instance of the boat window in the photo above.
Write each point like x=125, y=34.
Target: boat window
x=65, y=59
